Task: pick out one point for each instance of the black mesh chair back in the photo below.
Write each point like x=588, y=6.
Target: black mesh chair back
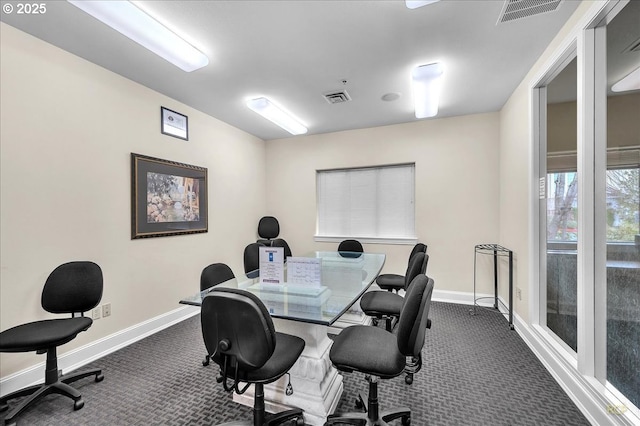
x=415, y=267
x=237, y=329
x=280, y=242
x=268, y=229
x=350, y=248
x=423, y=270
x=240, y=337
x=419, y=247
x=215, y=274
x=252, y=259
x=414, y=317
x=212, y=275
x=72, y=288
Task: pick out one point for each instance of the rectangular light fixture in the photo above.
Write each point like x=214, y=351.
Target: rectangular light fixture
x=271, y=112
x=427, y=82
x=131, y=21
x=414, y=4
x=630, y=82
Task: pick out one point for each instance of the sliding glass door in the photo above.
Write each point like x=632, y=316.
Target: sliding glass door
x=560, y=220
x=621, y=223
x=588, y=135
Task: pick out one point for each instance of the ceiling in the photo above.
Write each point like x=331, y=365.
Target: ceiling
x=293, y=52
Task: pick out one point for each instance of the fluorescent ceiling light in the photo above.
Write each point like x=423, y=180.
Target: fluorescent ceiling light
x=131, y=21
x=630, y=82
x=414, y=4
x=268, y=110
x=427, y=82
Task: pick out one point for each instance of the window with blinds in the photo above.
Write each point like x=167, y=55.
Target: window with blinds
x=366, y=203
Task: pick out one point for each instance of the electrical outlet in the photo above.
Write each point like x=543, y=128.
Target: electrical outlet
x=95, y=313
x=519, y=293
x=106, y=309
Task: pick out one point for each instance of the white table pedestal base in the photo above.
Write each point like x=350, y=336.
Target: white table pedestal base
x=317, y=385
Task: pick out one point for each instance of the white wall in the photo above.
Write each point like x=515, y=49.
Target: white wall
x=67, y=130
x=457, y=187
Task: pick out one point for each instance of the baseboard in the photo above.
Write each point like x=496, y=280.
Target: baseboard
x=83, y=355
x=461, y=297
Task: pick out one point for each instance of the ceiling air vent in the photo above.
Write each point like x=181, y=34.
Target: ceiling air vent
x=633, y=47
x=337, y=97
x=517, y=9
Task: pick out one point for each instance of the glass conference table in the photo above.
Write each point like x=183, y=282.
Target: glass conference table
x=311, y=310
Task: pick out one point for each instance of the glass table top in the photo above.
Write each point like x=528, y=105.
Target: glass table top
x=344, y=277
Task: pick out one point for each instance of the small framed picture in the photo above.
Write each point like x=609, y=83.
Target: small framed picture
x=174, y=124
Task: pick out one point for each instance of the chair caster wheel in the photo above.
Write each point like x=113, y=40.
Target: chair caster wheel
x=300, y=421
x=99, y=377
x=205, y=361
x=359, y=405
x=406, y=421
x=78, y=404
x=374, y=321
x=408, y=379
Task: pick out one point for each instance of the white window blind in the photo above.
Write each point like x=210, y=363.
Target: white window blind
x=372, y=202
x=566, y=161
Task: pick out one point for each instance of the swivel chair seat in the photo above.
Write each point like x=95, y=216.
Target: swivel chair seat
x=381, y=355
x=72, y=288
x=240, y=337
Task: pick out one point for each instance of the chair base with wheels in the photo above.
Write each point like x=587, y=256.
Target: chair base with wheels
x=262, y=418
x=372, y=415
x=54, y=384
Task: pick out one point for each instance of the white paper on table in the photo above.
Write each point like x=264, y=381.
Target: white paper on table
x=304, y=271
x=271, y=265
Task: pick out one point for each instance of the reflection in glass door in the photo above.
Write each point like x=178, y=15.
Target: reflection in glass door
x=562, y=204
x=622, y=193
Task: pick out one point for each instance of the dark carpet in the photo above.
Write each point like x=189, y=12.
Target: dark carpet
x=476, y=371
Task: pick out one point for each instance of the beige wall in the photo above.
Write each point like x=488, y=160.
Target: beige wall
x=457, y=187
x=68, y=128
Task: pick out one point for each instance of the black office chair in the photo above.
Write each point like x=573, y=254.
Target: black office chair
x=252, y=260
x=380, y=354
x=213, y=275
x=386, y=305
x=280, y=242
x=268, y=229
x=72, y=288
x=395, y=282
x=350, y=248
x=240, y=337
